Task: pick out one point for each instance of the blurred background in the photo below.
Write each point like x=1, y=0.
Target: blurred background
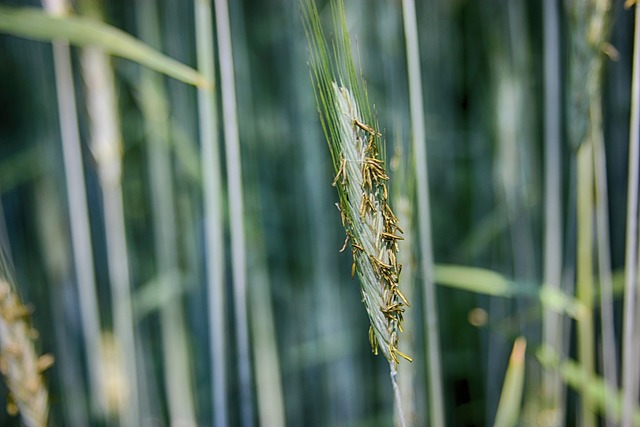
x=180, y=278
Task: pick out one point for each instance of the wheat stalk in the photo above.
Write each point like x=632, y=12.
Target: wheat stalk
x=19, y=363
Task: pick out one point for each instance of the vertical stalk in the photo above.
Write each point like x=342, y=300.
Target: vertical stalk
x=78, y=212
x=629, y=357
x=106, y=143
x=608, y=345
x=424, y=214
x=552, y=386
x=177, y=372
x=212, y=189
x=236, y=211
x=407, y=371
x=584, y=274
x=265, y=350
x=55, y=244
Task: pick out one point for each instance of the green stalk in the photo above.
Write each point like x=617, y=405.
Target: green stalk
x=78, y=216
x=508, y=412
x=177, y=372
x=407, y=372
x=552, y=397
x=590, y=28
x=424, y=213
x=629, y=356
x=106, y=147
x=584, y=273
x=270, y=396
x=58, y=262
x=608, y=345
x=236, y=209
x=212, y=189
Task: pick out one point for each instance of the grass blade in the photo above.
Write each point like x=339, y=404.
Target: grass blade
x=35, y=24
x=511, y=396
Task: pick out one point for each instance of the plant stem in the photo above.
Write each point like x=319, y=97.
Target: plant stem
x=608, y=345
x=212, y=189
x=177, y=372
x=396, y=393
x=236, y=210
x=78, y=216
x=629, y=357
x=424, y=214
x=584, y=273
x=106, y=147
x=552, y=386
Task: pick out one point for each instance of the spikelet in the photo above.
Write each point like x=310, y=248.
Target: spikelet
x=372, y=228
x=19, y=363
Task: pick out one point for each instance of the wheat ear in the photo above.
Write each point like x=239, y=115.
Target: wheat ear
x=19, y=362
x=357, y=152
x=371, y=226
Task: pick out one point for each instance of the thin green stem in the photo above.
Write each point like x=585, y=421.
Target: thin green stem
x=584, y=273
x=552, y=386
x=629, y=356
x=78, y=216
x=236, y=214
x=177, y=372
x=424, y=213
x=212, y=189
x=106, y=143
x=608, y=345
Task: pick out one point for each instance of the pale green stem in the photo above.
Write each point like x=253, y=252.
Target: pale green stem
x=424, y=214
x=629, y=356
x=236, y=210
x=212, y=189
x=265, y=352
x=106, y=147
x=584, y=272
x=508, y=413
x=78, y=216
x=121, y=297
x=177, y=372
x=608, y=345
x=407, y=371
x=552, y=386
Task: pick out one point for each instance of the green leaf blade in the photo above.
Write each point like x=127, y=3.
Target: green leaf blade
x=35, y=24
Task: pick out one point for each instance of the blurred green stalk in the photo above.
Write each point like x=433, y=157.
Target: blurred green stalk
x=175, y=349
x=511, y=397
x=78, y=213
x=601, y=202
x=590, y=24
x=212, y=189
x=236, y=211
x=584, y=273
x=629, y=355
x=106, y=142
x=424, y=213
x=407, y=372
x=553, y=396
